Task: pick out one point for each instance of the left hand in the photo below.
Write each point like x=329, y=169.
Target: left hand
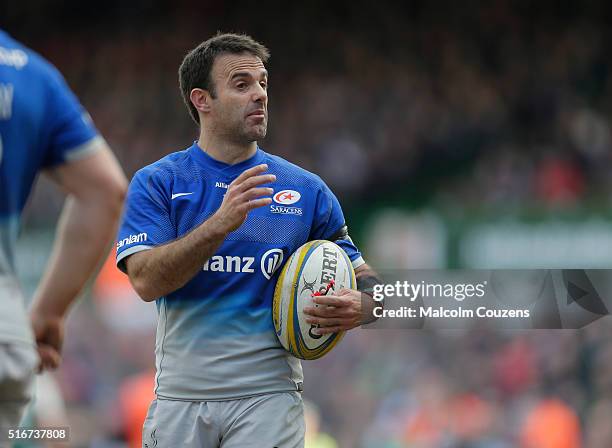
x=49, y=334
x=335, y=313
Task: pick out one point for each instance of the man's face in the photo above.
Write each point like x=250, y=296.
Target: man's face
x=240, y=109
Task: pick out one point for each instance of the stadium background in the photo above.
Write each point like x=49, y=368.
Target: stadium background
x=456, y=134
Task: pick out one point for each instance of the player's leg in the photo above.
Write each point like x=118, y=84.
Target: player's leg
x=17, y=365
x=18, y=355
x=189, y=424
x=273, y=420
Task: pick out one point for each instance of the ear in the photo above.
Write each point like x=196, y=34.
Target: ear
x=200, y=99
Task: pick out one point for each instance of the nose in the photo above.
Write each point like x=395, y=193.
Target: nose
x=260, y=95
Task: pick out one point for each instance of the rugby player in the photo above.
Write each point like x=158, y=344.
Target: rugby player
x=43, y=127
x=204, y=231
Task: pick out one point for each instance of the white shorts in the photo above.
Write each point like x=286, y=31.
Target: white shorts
x=17, y=369
x=264, y=421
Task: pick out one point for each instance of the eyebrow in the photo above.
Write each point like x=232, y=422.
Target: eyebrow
x=246, y=75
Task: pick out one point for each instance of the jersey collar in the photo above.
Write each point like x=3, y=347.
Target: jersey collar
x=225, y=168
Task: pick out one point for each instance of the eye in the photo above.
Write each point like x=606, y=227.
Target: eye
x=241, y=85
x=264, y=84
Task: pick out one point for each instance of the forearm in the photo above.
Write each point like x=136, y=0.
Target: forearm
x=164, y=269
x=366, y=279
x=83, y=237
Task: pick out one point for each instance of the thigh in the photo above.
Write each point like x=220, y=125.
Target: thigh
x=188, y=424
x=273, y=420
x=17, y=365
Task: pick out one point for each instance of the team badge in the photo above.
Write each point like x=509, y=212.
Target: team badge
x=287, y=197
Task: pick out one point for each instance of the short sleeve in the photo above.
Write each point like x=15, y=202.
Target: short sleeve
x=329, y=225
x=71, y=133
x=146, y=220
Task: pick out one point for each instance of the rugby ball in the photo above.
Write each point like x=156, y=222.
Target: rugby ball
x=317, y=267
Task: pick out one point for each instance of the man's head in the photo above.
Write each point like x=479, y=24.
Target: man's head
x=224, y=82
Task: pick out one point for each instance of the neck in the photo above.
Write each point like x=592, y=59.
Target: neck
x=224, y=150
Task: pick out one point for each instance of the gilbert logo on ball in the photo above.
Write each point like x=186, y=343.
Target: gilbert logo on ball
x=287, y=197
x=316, y=268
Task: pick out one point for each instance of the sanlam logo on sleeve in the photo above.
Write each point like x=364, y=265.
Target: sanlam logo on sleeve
x=135, y=238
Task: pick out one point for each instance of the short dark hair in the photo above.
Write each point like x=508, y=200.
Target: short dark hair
x=195, y=70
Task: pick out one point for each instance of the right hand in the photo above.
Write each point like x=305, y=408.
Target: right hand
x=243, y=195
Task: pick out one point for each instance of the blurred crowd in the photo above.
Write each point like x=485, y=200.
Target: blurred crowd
x=498, y=103
x=477, y=389
x=503, y=104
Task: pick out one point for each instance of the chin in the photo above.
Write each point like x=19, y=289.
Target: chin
x=256, y=134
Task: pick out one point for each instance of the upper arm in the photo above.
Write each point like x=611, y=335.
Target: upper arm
x=97, y=175
x=329, y=225
x=146, y=220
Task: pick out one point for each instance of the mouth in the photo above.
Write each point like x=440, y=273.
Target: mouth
x=259, y=113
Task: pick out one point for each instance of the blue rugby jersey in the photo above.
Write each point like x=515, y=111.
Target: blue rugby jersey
x=215, y=336
x=42, y=124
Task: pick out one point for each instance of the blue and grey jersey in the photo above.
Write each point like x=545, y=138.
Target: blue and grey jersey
x=42, y=124
x=215, y=336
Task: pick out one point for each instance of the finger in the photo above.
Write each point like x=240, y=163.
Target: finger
x=254, y=193
x=254, y=171
x=323, y=322
x=49, y=357
x=255, y=203
x=54, y=361
x=323, y=311
x=335, y=301
x=253, y=182
x=345, y=291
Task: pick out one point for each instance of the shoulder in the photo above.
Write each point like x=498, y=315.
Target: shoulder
x=24, y=60
x=164, y=169
x=290, y=173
